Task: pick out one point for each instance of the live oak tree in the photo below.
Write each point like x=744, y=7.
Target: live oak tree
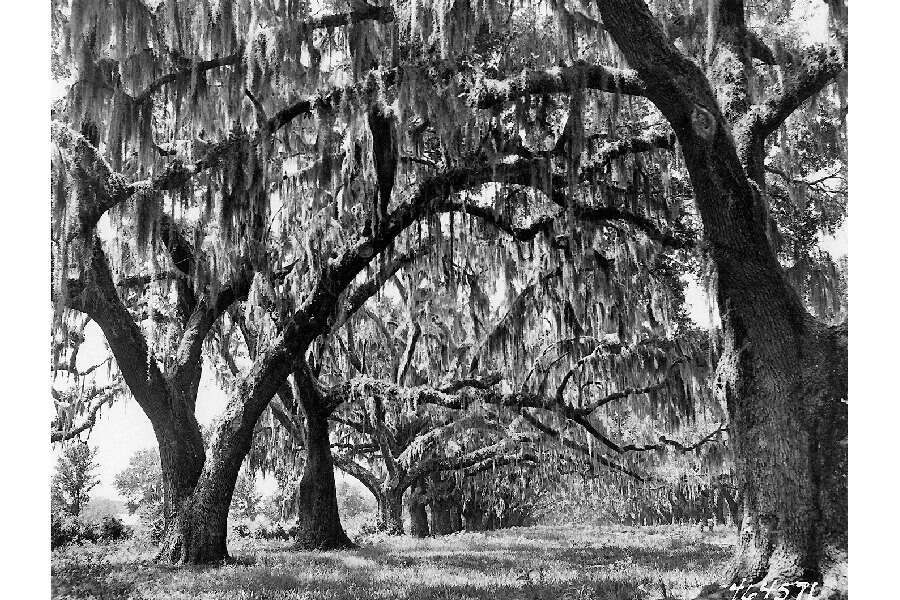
x=398, y=430
x=783, y=373
x=257, y=159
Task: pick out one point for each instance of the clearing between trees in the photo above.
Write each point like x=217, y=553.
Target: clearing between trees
x=541, y=562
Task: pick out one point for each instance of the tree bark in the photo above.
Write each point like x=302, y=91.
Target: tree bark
x=445, y=515
x=733, y=504
x=418, y=516
x=319, y=523
x=782, y=374
x=473, y=517
x=197, y=532
x=390, y=512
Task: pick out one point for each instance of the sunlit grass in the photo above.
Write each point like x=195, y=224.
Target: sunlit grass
x=559, y=563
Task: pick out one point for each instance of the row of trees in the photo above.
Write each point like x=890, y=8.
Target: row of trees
x=459, y=233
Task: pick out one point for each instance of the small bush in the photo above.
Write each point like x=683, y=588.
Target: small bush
x=242, y=530
x=89, y=532
x=64, y=529
x=112, y=529
x=370, y=527
x=263, y=529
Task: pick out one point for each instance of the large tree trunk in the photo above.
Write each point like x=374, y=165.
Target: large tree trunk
x=782, y=374
x=181, y=452
x=473, y=517
x=445, y=514
x=197, y=533
x=390, y=512
x=199, y=529
x=319, y=523
x=788, y=424
x=732, y=502
x=181, y=462
x=441, y=519
x=418, y=516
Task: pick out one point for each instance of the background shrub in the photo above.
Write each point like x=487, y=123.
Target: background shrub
x=112, y=529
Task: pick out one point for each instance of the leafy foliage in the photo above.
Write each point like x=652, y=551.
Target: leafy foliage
x=141, y=481
x=433, y=193
x=74, y=478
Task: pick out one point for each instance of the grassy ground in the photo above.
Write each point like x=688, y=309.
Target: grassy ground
x=558, y=563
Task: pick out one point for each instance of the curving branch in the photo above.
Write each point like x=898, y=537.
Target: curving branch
x=358, y=295
x=357, y=471
x=137, y=281
x=557, y=80
x=97, y=297
x=201, y=321
x=489, y=464
x=664, y=441
x=103, y=394
x=573, y=445
x=819, y=66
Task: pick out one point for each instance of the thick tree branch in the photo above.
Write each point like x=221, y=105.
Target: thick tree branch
x=557, y=80
x=819, y=66
x=572, y=445
x=360, y=473
x=98, y=299
x=358, y=295
x=664, y=441
x=104, y=394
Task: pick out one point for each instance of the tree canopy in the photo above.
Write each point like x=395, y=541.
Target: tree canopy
x=460, y=232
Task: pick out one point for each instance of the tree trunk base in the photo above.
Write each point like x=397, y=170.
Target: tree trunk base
x=194, y=539
x=789, y=432
x=390, y=514
x=323, y=539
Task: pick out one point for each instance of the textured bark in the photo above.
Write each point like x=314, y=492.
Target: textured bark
x=734, y=506
x=390, y=512
x=198, y=531
x=788, y=422
x=182, y=456
x=473, y=518
x=418, y=515
x=319, y=523
x=441, y=518
x=446, y=514
x=782, y=374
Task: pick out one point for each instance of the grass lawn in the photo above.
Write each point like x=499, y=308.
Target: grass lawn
x=553, y=563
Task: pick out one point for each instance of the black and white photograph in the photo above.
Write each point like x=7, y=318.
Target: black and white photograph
x=444, y=300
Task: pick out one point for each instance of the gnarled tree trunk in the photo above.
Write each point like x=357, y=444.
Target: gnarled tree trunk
x=445, y=512
x=389, y=519
x=783, y=375
x=418, y=515
x=197, y=532
x=319, y=523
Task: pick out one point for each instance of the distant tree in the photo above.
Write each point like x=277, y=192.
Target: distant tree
x=351, y=501
x=247, y=501
x=74, y=478
x=141, y=481
x=271, y=505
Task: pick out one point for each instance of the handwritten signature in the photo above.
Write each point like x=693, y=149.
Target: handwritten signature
x=778, y=591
